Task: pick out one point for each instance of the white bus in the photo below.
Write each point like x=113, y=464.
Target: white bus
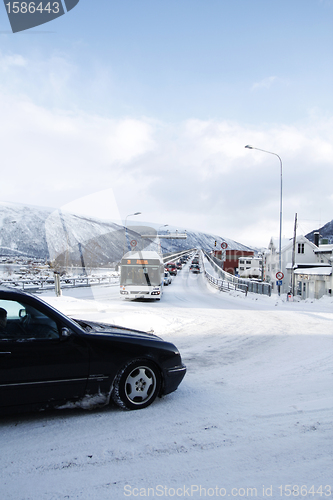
x=142, y=275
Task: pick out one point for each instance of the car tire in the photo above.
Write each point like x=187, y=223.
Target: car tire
x=137, y=385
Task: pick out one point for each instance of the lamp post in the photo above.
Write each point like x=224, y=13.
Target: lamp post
x=163, y=225
x=270, y=152
x=130, y=215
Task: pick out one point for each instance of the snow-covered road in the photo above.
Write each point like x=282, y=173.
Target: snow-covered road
x=253, y=415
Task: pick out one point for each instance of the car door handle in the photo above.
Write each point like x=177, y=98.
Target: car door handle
x=5, y=353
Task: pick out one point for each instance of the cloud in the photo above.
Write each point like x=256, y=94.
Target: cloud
x=192, y=174
x=10, y=61
x=100, y=205
x=266, y=83
x=53, y=156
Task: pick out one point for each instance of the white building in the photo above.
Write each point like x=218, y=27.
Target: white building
x=250, y=267
x=313, y=282
x=311, y=274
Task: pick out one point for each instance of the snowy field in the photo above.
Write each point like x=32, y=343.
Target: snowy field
x=252, y=418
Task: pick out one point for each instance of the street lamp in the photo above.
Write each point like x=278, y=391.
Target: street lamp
x=163, y=225
x=130, y=215
x=270, y=152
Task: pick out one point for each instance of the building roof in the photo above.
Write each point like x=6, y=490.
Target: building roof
x=302, y=265
x=288, y=242
x=324, y=249
x=315, y=271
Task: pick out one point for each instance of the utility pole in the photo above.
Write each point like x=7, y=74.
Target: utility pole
x=293, y=258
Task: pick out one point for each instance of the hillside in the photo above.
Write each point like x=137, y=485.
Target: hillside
x=69, y=239
x=325, y=232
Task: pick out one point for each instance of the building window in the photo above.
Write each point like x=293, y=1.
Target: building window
x=241, y=268
x=248, y=262
x=300, y=247
x=268, y=267
x=241, y=262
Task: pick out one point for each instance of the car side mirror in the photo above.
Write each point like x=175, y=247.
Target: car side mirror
x=22, y=313
x=66, y=332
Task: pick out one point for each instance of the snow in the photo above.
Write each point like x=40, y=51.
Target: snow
x=317, y=271
x=254, y=410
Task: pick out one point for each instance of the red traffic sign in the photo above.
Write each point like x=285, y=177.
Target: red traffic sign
x=133, y=243
x=279, y=275
x=224, y=245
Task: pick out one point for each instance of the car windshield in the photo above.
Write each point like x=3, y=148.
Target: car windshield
x=82, y=324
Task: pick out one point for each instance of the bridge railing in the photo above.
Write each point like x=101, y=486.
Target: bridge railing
x=229, y=282
x=224, y=285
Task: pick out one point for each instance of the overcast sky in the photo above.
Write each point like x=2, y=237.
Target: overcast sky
x=147, y=105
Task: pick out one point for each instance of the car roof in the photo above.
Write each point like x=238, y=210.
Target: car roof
x=6, y=290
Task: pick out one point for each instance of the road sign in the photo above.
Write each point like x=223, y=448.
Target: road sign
x=224, y=245
x=133, y=243
x=279, y=283
x=279, y=275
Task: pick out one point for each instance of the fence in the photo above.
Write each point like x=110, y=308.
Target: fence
x=229, y=282
x=225, y=285
x=49, y=283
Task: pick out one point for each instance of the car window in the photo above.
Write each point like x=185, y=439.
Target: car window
x=12, y=308
x=20, y=321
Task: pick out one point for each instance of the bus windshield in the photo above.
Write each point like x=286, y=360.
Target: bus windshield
x=140, y=275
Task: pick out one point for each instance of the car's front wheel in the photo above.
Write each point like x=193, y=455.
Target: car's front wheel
x=136, y=385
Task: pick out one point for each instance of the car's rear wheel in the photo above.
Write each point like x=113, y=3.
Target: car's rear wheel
x=136, y=385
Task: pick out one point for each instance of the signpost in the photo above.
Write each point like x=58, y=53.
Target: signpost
x=279, y=276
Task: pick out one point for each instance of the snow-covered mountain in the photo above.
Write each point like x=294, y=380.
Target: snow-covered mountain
x=69, y=239
x=49, y=234
x=325, y=232
x=196, y=239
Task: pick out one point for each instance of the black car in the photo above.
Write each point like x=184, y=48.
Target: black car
x=48, y=359
x=195, y=268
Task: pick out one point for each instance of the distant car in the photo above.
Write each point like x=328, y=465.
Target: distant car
x=179, y=265
x=195, y=261
x=171, y=268
x=167, y=278
x=48, y=359
x=195, y=268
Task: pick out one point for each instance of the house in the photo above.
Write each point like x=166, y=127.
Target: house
x=250, y=267
x=307, y=271
x=230, y=258
x=313, y=282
